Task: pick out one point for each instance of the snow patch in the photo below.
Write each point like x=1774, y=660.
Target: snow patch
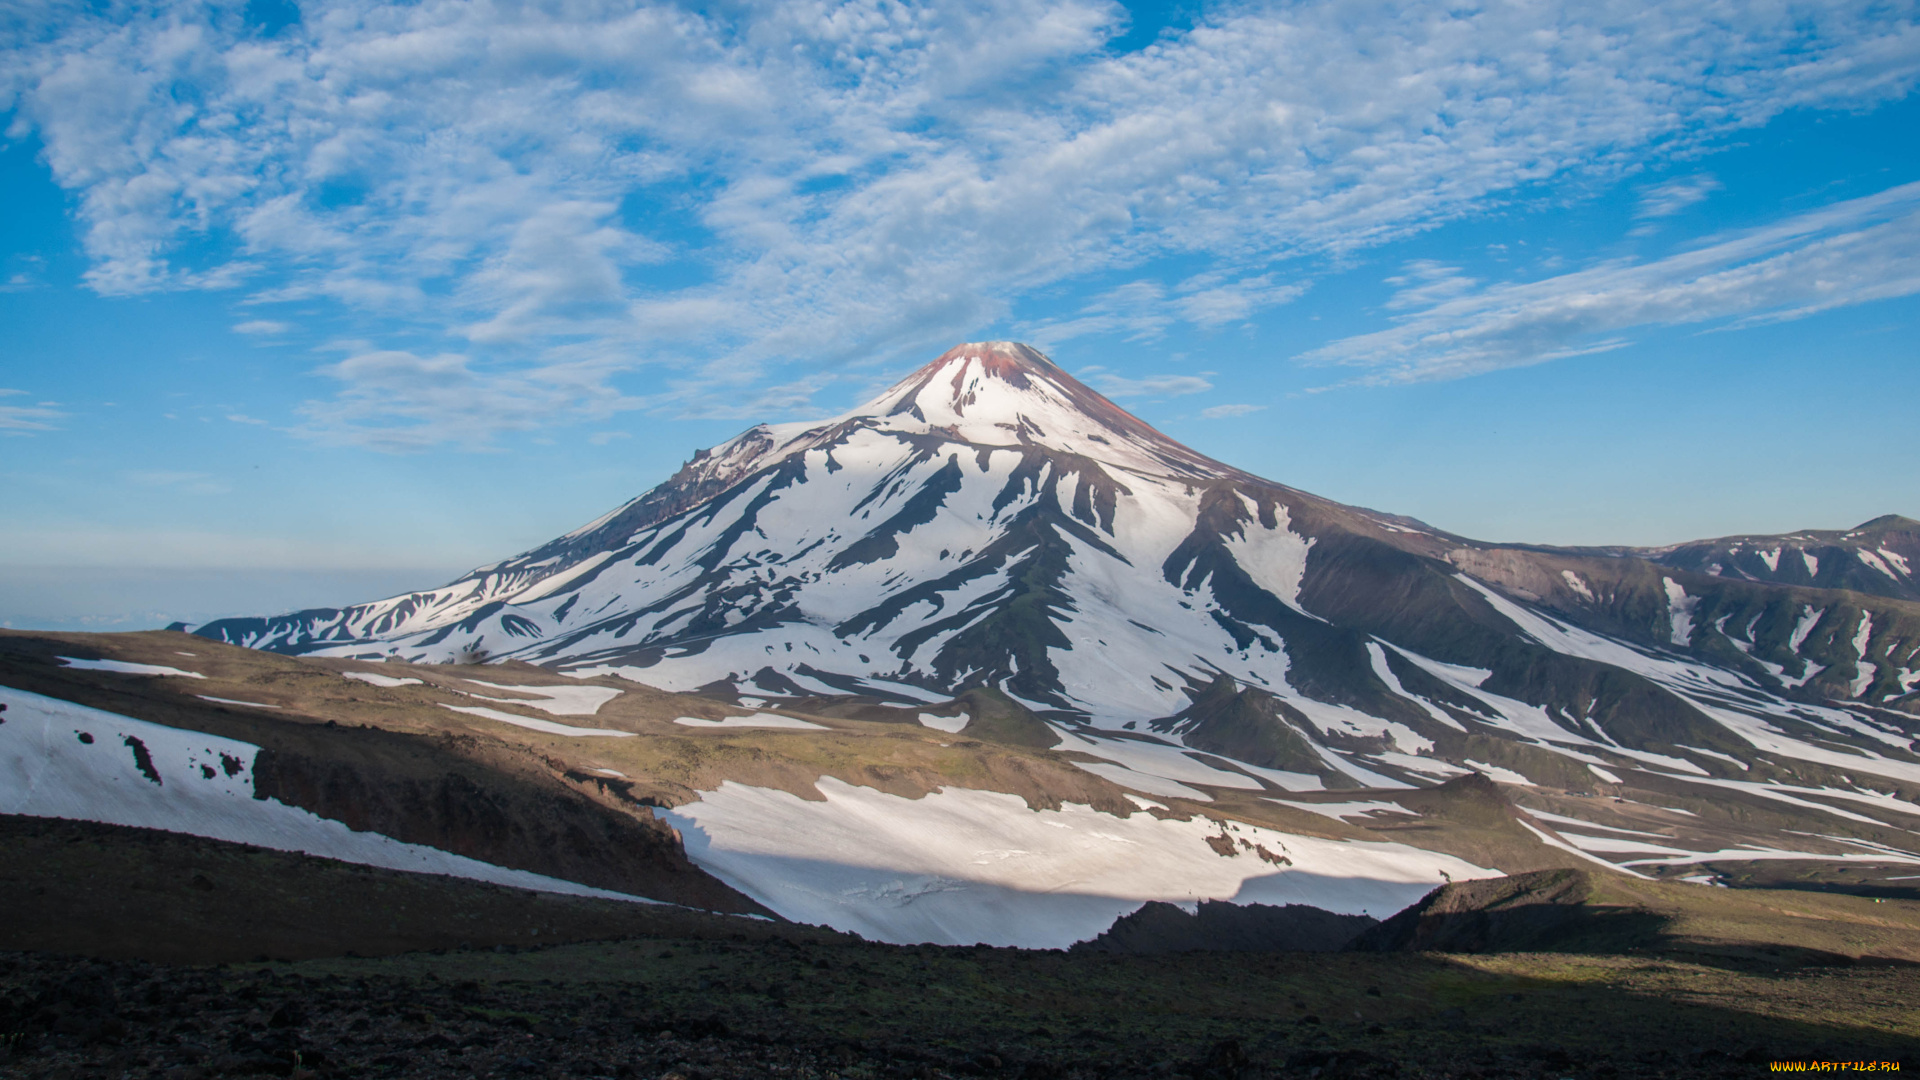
x=1426, y=766
x=123, y=667
x=1497, y=774
x=555, y=700
x=232, y=701
x=1139, y=781
x=1615, y=845
x=1874, y=562
x=1809, y=618
x=1864, y=671
x=961, y=866
x=1728, y=758
x=754, y=720
x=1276, y=559
x=1153, y=758
x=376, y=679
x=1578, y=585
x=1553, y=841
x=1680, y=609
x=952, y=725
x=528, y=722
x=1344, y=810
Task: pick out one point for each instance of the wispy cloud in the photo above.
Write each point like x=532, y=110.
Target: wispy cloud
x=26, y=419
x=1115, y=386
x=262, y=326
x=1424, y=281
x=1220, y=412
x=399, y=402
x=1849, y=253
x=1674, y=196
x=822, y=182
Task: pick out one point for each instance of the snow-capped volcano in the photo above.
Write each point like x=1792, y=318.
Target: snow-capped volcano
x=964, y=528
x=992, y=522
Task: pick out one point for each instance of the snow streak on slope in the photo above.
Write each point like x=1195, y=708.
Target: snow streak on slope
x=961, y=867
x=1724, y=697
x=122, y=667
x=62, y=760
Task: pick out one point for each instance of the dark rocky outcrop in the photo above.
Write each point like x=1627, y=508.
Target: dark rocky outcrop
x=1221, y=927
x=1546, y=910
x=413, y=790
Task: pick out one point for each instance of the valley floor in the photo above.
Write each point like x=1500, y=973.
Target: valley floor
x=133, y=953
x=705, y=1009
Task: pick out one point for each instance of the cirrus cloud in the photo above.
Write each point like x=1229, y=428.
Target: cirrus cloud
x=1849, y=253
x=579, y=189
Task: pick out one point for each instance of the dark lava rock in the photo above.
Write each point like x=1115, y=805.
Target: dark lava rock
x=1221, y=927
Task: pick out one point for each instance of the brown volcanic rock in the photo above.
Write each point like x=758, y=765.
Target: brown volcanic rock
x=1221, y=927
x=1544, y=910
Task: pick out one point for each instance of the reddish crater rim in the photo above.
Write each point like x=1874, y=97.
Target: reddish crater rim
x=1022, y=367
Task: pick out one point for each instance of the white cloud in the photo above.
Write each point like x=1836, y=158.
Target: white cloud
x=1209, y=301
x=1424, y=281
x=25, y=419
x=1848, y=253
x=242, y=418
x=1115, y=386
x=1674, y=196
x=1218, y=412
x=827, y=182
x=397, y=401
x=262, y=326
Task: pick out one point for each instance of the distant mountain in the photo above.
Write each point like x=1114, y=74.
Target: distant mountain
x=1880, y=557
x=991, y=523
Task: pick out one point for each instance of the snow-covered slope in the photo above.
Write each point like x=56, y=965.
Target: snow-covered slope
x=992, y=522
x=59, y=759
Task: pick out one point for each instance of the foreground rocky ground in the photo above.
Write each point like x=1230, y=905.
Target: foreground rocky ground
x=721, y=1009
x=132, y=953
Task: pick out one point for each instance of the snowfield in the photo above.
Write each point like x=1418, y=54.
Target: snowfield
x=960, y=866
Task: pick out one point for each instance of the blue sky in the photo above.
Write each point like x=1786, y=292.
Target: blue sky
x=307, y=303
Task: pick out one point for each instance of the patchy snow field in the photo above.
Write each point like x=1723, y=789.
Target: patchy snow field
x=554, y=700
x=124, y=667
x=754, y=720
x=62, y=760
x=961, y=866
x=375, y=679
x=545, y=726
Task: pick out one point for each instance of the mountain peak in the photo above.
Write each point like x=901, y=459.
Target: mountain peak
x=953, y=380
x=1887, y=521
x=999, y=393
